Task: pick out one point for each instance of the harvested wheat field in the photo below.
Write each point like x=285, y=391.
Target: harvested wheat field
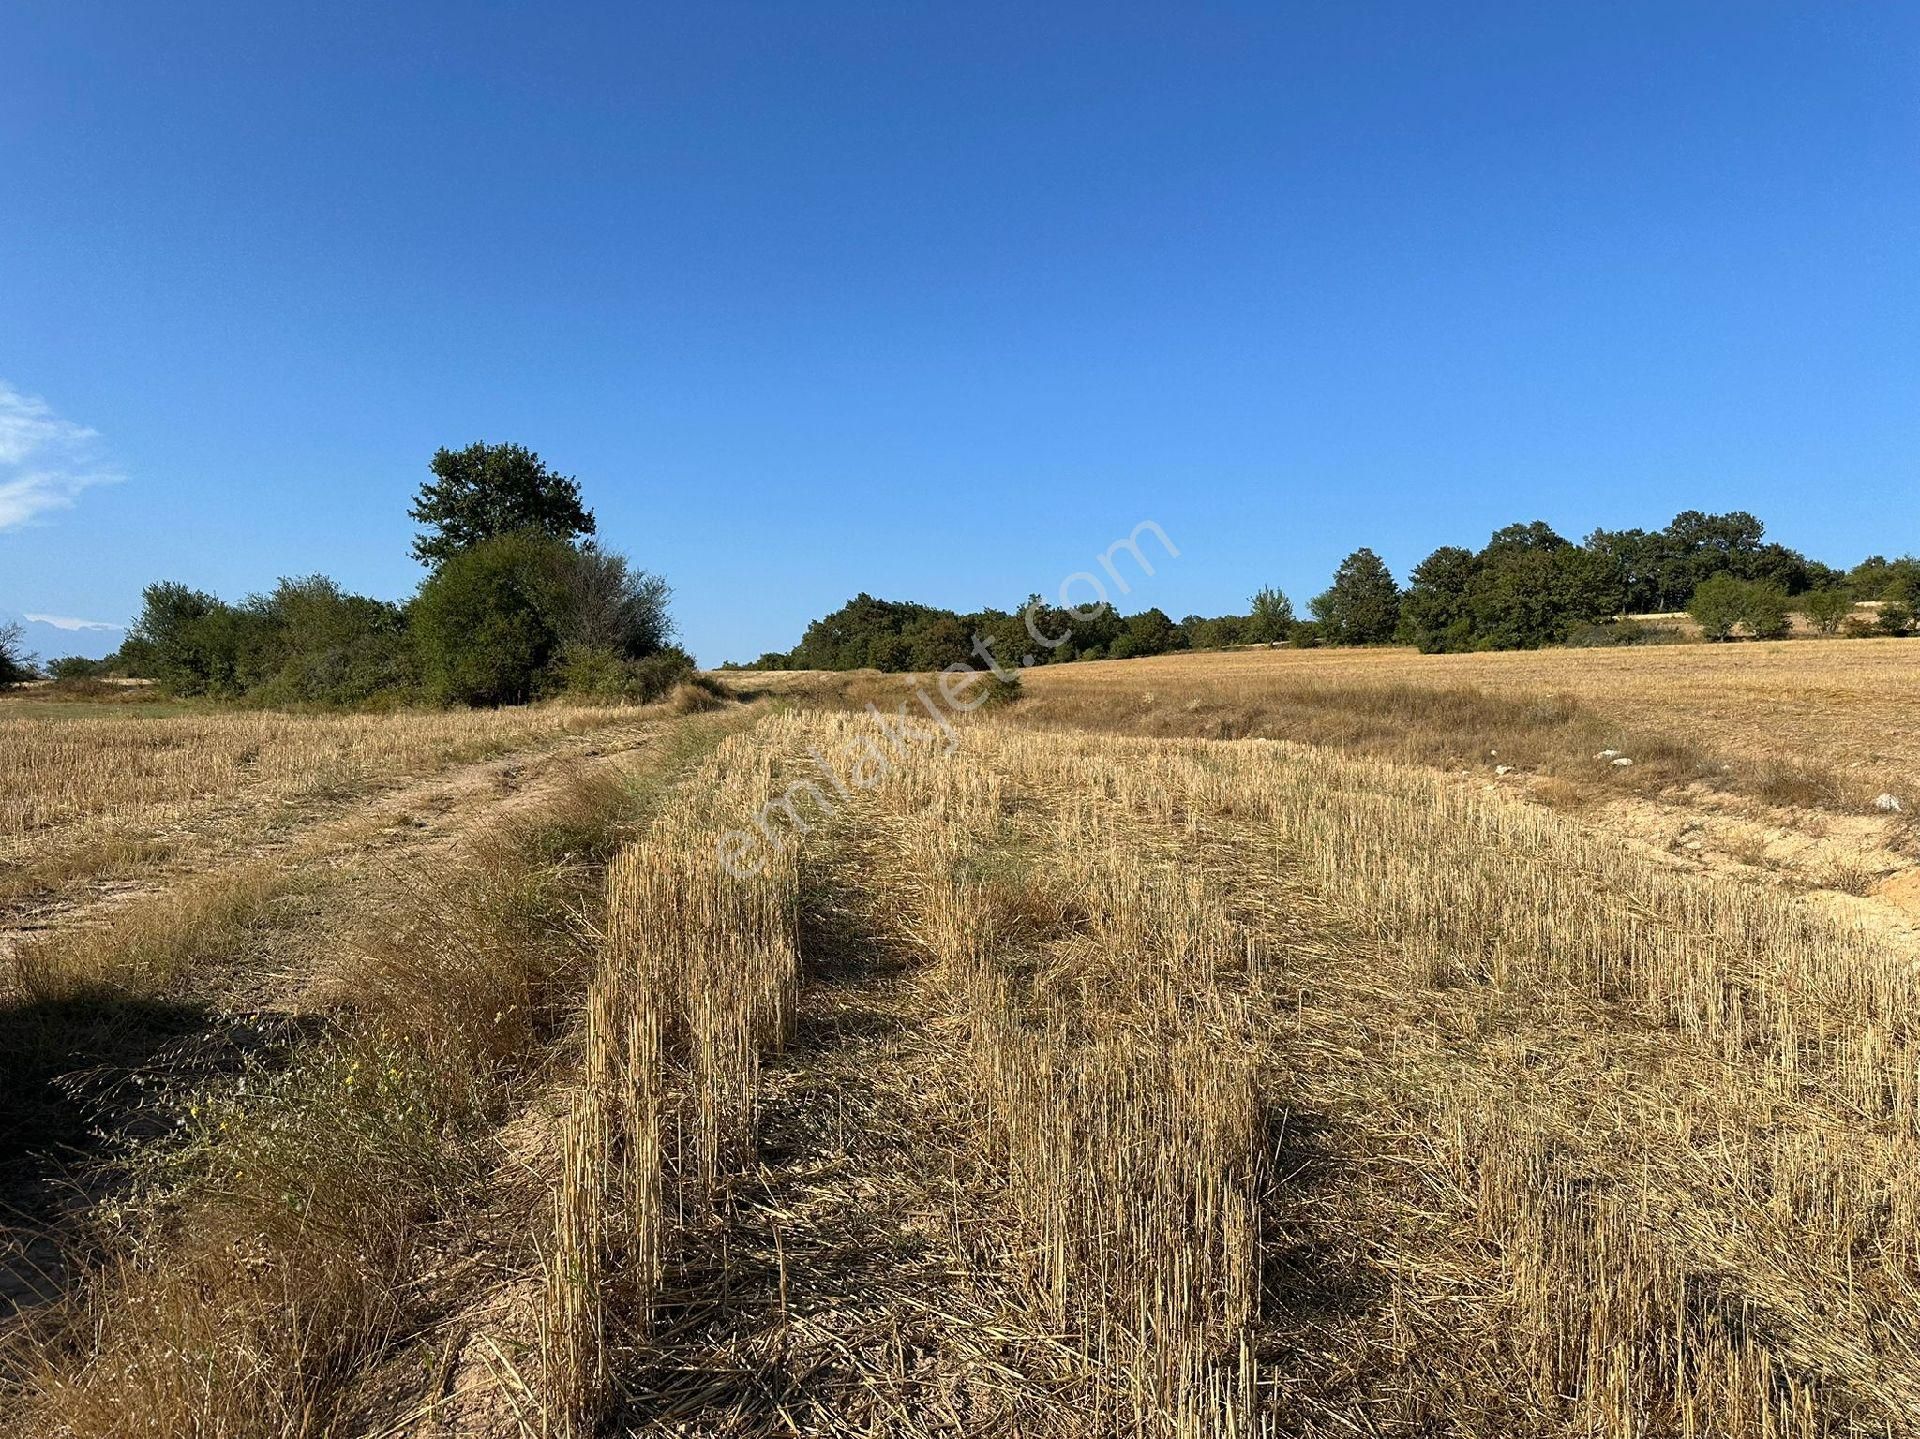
x=792, y=1070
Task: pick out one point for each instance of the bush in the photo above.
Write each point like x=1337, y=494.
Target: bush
x=1895, y=618
x=486, y=623
x=1767, y=612
x=1612, y=632
x=197, y=644
x=698, y=692
x=597, y=673
x=1826, y=610
x=329, y=647
x=1000, y=690
x=1722, y=604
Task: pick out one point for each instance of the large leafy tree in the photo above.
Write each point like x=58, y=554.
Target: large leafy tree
x=1433, y=613
x=1363, y=606
x=1879, y=578
x=1533, y=586
x=485, y=491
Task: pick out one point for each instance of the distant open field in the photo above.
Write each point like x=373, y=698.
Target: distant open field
x=1847, y=707
x=1273, y=1042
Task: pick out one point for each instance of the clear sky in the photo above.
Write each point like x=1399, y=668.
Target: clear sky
x=937, y=300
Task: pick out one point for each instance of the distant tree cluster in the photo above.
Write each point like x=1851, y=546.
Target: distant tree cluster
x=900, y=637
x=519, y=603
x=1527, y=587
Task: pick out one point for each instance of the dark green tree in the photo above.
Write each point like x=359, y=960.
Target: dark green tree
x=485, y=491
x=1151, y=632
x=1363, y=606
x=1531, y=587
x=487, y=622
x=1434, y=613
x=1630, y=561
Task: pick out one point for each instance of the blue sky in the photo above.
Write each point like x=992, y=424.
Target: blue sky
x=937, y=300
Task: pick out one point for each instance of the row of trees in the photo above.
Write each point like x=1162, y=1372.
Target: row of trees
x=1526, y=587
x=519, y=602
x=901, y=637
x=1529, y=586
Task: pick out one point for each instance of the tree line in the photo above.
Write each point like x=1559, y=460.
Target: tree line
x=1526, y=587
x=520, y=602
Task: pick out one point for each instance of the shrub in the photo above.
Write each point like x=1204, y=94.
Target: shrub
x=75, y=667
x=197, y=644
x=1722, y=604
x=486, y=622
x=329, y=647
x=597, y=673
x=657, y=675
x=1766, y=613
x=1610, y=633
x=698, y=692
x=1826, y=610
x=1895, y=618
x=1716, y=606
x=610, y=605
x=998, y=690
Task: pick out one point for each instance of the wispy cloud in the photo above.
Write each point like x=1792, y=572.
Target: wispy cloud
x=67, y=622
x=44, y=460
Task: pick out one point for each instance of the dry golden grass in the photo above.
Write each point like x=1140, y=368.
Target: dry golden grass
x=1819, y=723
x=1301, y=1094
x=83, y=795
x=1073, y=1083
x=245, y=1252
x=264, y=1259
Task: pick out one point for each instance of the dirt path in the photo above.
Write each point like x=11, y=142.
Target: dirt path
x=400, y=816
x=71, y=1082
